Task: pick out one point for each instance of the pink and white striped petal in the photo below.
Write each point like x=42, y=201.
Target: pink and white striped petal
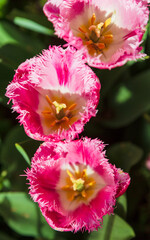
x=55, y=94
x=74, y=184
x=108, y=33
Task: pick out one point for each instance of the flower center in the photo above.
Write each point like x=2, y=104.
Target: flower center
x=79, y=186
x=58, y=112
x=97, y=36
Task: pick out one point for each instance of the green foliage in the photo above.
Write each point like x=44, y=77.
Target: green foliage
x=114, y=228
x=12, y=35
x=4, y=5
x=23, y=216
x=128, y=100
x=31, y=25
x=121, y=209
x=124, y=155
x=9, y=155
x=123, y=122
x=12, y=161
x=23, y=153
x=16, y=47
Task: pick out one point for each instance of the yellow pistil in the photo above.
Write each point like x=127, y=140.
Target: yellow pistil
x=79, y=185
x=59, y=106
x=97, y=36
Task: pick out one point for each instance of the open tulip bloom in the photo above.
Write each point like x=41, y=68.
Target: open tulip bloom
x=107, y=32
x=55, y=94
x=74, y=184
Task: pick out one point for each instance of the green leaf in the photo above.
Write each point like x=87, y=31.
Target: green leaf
x=23, y=153
x=41, y=19
x=122, y=200
x=31, y=25
x=124, y=155
x=11, y=34
x=16, y=45
x=23, y=215
x=9, y=155
x=26, y=145
x=114, y=228
x=121, y=208
x=12, y=161
x=127, y=101
x=4, y=5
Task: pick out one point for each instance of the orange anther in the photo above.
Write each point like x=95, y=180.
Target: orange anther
x=65, y=119
x=108, y=36
x=83, y=29
x=53, y=123
x=46, y=112
x=93, y=18
x=72, y=106
x=83, y=193
x=101, y=45
x=89, y=42
x=48, y=100
x=90, y=184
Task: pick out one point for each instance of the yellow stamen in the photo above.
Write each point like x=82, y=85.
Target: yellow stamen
x=59, y=106
x=93, y=18
x=101, y=45
x=59, y=121
x=72, y=178
x=79, y=186
x=72, y=106
x=83, y=29
x=107, y=22
x=66, y=187
x=84, y=173
x=108, y=38
x=89, y=42
x=96, y=37
x=53, y=123
x=65, y=119
x=90, y=184
x=83, y=193
x=46, y=112
x=72, y=196
x=48, y=100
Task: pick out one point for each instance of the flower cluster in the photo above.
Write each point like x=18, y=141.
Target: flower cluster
x=56, y=94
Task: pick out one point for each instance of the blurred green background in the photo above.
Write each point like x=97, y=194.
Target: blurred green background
x=122, y=122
